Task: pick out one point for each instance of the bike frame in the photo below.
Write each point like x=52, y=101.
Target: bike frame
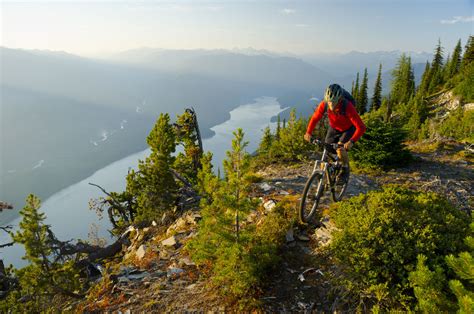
x=323, y=166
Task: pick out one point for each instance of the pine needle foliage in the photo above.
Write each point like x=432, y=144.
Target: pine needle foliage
x=381, y=147
x=377, y=96
x=153, y=185
x=239, y=255
x=47, y=281
x=382, y=233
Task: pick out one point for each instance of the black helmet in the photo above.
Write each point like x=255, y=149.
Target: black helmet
x=333, y=93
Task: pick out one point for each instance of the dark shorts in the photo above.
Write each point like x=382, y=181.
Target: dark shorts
x=335, y=136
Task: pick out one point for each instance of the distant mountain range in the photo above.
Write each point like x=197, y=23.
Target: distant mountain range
x=65, y=116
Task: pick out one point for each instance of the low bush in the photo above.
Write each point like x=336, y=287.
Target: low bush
x=381, y=147
x=458, y=125
x=380, y=236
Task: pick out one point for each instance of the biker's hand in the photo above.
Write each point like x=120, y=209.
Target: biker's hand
x=348, y=145
x=307, y=137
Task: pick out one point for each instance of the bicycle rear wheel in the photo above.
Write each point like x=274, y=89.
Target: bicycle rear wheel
x=312, y=193
x=338, y=191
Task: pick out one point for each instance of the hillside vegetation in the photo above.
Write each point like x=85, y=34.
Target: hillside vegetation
x=190, y=238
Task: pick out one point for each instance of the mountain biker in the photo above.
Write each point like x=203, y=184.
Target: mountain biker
x=345, y=125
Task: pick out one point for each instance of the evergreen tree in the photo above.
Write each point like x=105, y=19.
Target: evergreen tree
x=463, y=266
x=48, y=278
x=207, y=181
x=425, y=80
x=377, y=97
x=417, y=115
x=362, y=95
x=265, y=146
x=187, y=163
x=355, y=92
x=291, y=145
x=237, y=167
x=278, y=128
x=153, y=185
x=453, y=65
x=436, y=69
x=468, y=55
x=403, y=80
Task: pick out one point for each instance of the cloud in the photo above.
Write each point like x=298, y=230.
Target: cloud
x=288, y=11
x=459, y=19
x=214, y=8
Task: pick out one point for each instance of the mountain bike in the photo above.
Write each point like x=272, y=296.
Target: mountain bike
x=323, y=178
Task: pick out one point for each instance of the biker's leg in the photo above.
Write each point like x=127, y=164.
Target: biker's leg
x=343, y=156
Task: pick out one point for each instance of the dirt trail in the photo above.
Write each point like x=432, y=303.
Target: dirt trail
x=171, y=282
x=288, y=292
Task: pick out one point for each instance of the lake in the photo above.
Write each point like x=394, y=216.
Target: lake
x=67, y=211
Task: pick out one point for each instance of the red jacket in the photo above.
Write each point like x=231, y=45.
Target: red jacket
x=339, y=121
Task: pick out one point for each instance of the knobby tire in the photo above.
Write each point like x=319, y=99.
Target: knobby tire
x=311, y=201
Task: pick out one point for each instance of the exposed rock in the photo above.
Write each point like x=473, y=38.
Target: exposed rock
x=302, y=237
x=265, y=186
x=165, y=219
x=193, y=218
x=290, y=235
x=140, y=253
x=174, y=271
x=186, y=261
x=164, y=254
x=269, y=205
x=170, y=242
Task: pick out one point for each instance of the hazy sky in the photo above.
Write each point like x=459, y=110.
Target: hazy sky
x=89, y=27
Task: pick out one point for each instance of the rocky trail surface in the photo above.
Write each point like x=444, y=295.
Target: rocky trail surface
x=156, y=275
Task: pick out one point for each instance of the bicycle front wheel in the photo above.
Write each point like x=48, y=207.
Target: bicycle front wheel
x=312, y=193
x=338, y=191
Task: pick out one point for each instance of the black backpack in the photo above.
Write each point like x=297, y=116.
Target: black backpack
x=346, y=97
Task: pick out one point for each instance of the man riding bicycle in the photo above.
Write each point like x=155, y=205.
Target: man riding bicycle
x=345, y=125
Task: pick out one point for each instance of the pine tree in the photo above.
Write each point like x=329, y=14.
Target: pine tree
x=377, y=97
x=278, y=128
x=463, y=266
x=291, y=145
x=454, y=64
x=425, y=80
x=355, y=93
x=47, y=278
x=403, y=80
x=265, y=146
x=436, y=69
x=362, y=95
x=153, y=185
x=207, y=181
x=468, y=55
x=237, y=167
x=187, y=163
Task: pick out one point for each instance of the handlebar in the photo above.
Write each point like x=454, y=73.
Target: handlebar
x=318, y=142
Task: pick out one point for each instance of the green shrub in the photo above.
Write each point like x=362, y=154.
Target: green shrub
x=287, y=144
x=465, y=84
x=381, y=146
x=459, y=125
x=381, y=235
